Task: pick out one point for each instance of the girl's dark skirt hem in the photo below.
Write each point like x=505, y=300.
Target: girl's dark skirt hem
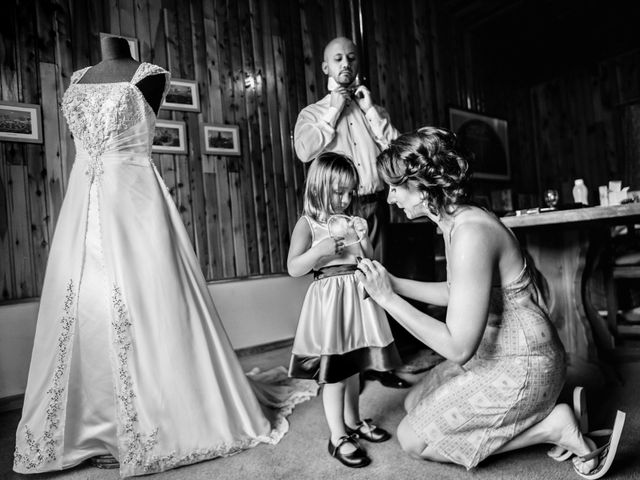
x=334, y=368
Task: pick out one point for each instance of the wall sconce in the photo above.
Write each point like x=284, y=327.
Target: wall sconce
x=252, y=80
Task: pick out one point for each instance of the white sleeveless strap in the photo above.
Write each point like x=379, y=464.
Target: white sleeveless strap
x=78, y=74
x=145, y=69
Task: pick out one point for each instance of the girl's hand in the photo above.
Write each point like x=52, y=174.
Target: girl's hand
x=360, y=226
x=330, y=247
x=376, y=281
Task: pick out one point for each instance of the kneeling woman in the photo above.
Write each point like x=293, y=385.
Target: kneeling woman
x=505, y=365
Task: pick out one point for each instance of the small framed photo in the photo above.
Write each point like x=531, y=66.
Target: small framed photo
x=134, y=46
x=182, y=95
x=20, y=122
x=221, y=139
x=170, y=137
x=485, y=139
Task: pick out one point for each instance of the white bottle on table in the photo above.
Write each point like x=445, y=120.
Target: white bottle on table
x=580, y=192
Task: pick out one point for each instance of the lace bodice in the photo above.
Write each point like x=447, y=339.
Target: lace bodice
x=106, y=117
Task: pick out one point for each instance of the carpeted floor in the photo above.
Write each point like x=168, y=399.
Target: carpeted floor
x=302, y=454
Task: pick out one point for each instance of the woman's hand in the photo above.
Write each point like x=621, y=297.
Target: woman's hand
x=376, y=281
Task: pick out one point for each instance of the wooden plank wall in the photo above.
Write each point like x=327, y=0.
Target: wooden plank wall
x=256, y=63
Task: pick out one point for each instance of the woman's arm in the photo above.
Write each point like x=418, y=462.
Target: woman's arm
x=434, y=293
x=302, y=258
x=471, y=274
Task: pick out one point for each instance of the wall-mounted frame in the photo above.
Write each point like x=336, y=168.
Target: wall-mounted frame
x=20, y=122
x=221, y=139
x=182, y=95
x=170, y=137
x=134, y=45
x=486, y=139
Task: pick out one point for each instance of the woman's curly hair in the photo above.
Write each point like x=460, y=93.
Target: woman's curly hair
x=429, y=159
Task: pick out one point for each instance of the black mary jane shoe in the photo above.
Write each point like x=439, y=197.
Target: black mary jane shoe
x=368, y=431
x=356, y=459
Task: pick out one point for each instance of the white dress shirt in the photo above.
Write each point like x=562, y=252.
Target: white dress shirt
x=321, y=128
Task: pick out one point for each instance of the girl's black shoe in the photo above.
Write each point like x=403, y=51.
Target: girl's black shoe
x=356, y=459
x=367, y=430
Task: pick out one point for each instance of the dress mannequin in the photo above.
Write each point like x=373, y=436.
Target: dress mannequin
x=117, y=65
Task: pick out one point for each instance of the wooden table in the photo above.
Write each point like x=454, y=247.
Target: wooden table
x=564, y=245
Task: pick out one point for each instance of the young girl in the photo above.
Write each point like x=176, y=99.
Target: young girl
x=340, y=333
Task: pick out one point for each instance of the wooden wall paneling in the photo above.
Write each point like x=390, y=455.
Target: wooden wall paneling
x=436, y=111
x=295, y=80
x=142, y=20
x=222, y=115
x=191, y=166
x=540, y=120
x=255, y=177
x=266, y=208
x=7, y=264
x=342, y=21
x=378, y=64
x=51, y=127
x=325, y=25
x=45, y=32
x=604, y=91
x=80, y=35
x=196, y=157
x=182, y=191
x=590, y=131
x=422, y=87
x=240, y=167
x=275, y=202
x=368, y=50
x=33, y=153
x=9, y=68
x=114, y=17
x=405, y=84
x=387, y=55
x=158, y=42
x=96, y=23
x=64, y=62
x=184, y=41
x=212, y=112
x=286, y=120
x=14, y=174
x=228, y=165
x=126, y=9
x=272, y=142
x=312, y=81
x=19, y=220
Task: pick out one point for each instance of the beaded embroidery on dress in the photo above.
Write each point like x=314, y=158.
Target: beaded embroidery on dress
x=130, y=357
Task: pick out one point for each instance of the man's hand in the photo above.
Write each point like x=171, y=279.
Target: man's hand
x=340, y=97
x=362, y=95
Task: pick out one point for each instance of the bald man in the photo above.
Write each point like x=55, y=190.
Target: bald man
x=347, y=121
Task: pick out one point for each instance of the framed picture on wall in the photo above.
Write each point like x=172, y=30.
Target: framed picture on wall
x=134, y=46
x=20, y=122
x=170, y=137
x=182, y=95
x=485, y=139
x=221, y=139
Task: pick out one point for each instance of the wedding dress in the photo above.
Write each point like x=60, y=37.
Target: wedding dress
x=130, y=357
